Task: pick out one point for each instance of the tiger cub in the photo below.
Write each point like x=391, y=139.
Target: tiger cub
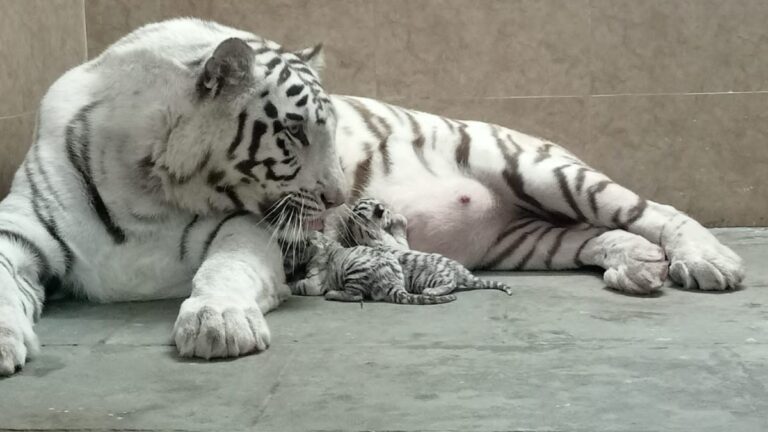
x=371, y=260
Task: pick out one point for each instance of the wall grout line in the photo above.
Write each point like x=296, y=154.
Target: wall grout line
x=10, y=117
x=683, y=93
x=572, y=96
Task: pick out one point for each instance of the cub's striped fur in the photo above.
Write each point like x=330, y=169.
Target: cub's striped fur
x=373, y=267
x=161, y=167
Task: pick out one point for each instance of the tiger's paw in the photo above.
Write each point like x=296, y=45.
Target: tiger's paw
x=701, y=262
x=633, y=264
x=214, y=328
x=18, y=341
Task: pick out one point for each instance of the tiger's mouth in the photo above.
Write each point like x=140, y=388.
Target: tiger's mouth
x=314, y=224
x=295, y=214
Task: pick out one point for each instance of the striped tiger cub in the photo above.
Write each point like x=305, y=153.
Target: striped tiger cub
x=374, y=263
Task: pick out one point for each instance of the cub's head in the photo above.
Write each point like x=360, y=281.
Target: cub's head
x=367, y=223
x=255, y=132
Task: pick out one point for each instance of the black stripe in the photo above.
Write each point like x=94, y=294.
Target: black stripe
x=362, y=177
x=38, y=158
x=44, y=268
x=509, y=250
x=542, y=152
x=382, y=131
x=294, y=116
x=215, y=232
x=273, y=64
x=294, y=90
x=78, y=134
x=48, y=222
x=577, y=255
x=418, y=141
x=284, y=75
x=593, y=191
x=303, y=101
x=580, y=179
x=270, y=110
x=35, y=297
x=229, y=191
x=555, y=248
x=462, y=150
x=636, y=212
x=530, y=253
x=215, y=176
x=259, y=129
x=565, y=189
x=239, y=135
x=514, y=227
x=185, y=237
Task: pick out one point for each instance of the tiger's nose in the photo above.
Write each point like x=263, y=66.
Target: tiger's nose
x=333, y=197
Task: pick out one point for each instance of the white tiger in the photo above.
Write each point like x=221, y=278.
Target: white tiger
x=178, y=153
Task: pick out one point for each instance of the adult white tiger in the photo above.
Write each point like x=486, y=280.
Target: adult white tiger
x=173, y=155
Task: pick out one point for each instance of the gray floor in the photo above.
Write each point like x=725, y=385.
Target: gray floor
x=563, y=354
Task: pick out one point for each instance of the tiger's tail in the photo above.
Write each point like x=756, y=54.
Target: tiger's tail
x=402, y=297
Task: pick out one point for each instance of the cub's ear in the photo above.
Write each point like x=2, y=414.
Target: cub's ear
x=313, y=56
x=229, y=68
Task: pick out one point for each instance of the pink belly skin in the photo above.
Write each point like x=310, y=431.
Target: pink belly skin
x=459, y=218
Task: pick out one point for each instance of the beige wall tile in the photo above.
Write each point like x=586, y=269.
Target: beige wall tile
x=655, y=46
x=482, y=48
x=562, y=120
x=344, y=26
x=39, y=40
x=109, y=20
x=17, y=137
x=707, y=155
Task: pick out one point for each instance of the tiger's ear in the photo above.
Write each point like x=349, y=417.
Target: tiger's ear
x=313, y=56
x=229, y=67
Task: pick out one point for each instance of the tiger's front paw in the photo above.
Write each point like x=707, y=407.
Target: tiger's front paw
x=213, y=328
x=18, y=341
x=700, y=261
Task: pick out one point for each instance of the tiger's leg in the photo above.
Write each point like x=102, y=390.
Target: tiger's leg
x=30, y=255
x=240, y=279
x=632, y=264
x=564, y=187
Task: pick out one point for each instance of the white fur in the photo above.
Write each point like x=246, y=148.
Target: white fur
x=147, y=104
x=145, y=87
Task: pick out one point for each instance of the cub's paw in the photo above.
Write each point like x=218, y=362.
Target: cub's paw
x=213, y=328
x=633, y=264
x=700, y=261
x=398, y=222
x=18, y=341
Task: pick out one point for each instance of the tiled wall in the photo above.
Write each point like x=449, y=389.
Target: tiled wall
x=39, y=40
x=670, y=97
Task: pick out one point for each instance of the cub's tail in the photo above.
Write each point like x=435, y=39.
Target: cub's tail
x=468, y=281
x=403, y=297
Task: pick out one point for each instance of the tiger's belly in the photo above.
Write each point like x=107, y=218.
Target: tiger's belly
x=457, y=217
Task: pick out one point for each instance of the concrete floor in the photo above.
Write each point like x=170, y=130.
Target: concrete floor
x=563, y=354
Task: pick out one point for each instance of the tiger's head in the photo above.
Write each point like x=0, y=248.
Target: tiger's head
x=256, y=134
